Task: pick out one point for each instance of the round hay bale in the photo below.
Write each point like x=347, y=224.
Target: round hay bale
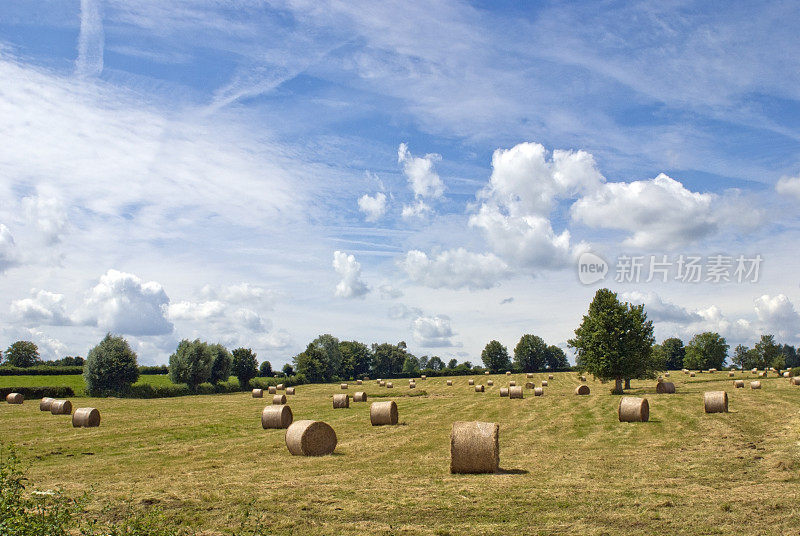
x=762, y=374
x=278, y=400
x=61, y=407
x=504, y=391
x=389, y=385
x=691, y=375
x=795, y=380
x=660, y=379
x=583, y=378
x=280, y=387
x=272, y=389
x=738, y=384
x=343, y=386
x=479, y=388
x=633, y=409
x=538, y=391
x=423, y=377
x=712, y=370
x=486, y=373
x=786, y=374
x=549, y=376
x=715, y=401
x=512, y=383
x=15, y=398
x=258, y=393
x=44, y=404
x=515, y=391
x=290, y=390
x=471, y=382
x=449, y=382
x=360, y=396
x=359, y=382
x=474, y=447
x=411, y=380
x=666, y=374
x=529, y=375
x=382, y=383
x=731, y=374
x=755, y=385
x=489, y=383
x=582, y=390
x=383, y=413
x=86, y=418
x=310, y=438
x=378, y=381
x=276, y=417
x=508, y=373
x=366, y=378
x=529, y=385
x=754, y=370
x=544, y=383
x=412, y=385
x=665, y=388
x=341, y=401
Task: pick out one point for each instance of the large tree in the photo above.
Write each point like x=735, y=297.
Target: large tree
x=790, y=356
x=556, y=358
x=495, y=357
x=674, y=352
x=331, y=356
x=265, y=370
x=435, y=363
x=615, y=340
x=769, y=353
x=356, y=359
x=310, y=363
x=244, y=365
x=411, y=366
x=111, y=367
x=388, y=359
x=22, y=354
x=706, y=350
x=191, y=363
x=221, y=366
x=530, y=354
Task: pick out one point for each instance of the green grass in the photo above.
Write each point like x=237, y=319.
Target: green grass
x=569, y=466
x=75, y=381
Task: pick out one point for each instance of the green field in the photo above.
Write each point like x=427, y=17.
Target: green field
x=75, y=381
x=569, y=466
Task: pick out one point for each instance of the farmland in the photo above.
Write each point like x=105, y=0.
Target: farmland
x=568, y=465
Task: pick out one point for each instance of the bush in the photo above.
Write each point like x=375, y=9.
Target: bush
x=158, y=369
x=32, y=393
x=39, y=370
x=111, y=367
x=795, y=372
x=145, y=390
x=191, y=363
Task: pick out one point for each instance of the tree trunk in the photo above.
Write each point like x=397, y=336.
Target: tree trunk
x=617, y=386
x=627, y=383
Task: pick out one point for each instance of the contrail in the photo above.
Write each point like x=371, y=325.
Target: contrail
x=91, y=40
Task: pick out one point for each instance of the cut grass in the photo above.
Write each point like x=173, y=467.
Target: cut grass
x=569, y=465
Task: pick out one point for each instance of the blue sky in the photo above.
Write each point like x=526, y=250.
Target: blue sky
x=257, y=173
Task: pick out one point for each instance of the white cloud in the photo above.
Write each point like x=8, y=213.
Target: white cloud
x=778, y=315
x=389, y=292
x=432, y=331
x=48, y=214
x=351, y=285
x=252, y=320
x=8, y=253
x=43, y=308
x=242, y=293
x=658, y=213
x=422, y=178
x=196, y=311
x=122, y=303
x=454, y=269
x=420, y=209
x=373, y=207
x=90, y=40
x=400, y=310
x=659, y=310
x=789, y=186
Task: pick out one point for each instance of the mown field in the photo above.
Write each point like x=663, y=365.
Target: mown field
x=569, y=466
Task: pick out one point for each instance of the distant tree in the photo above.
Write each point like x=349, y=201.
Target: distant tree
x=467, y=364
x=288, y=369
x=22, y=354
x=453, y=363
x=331, y=356
x=674, y=352
x=614, y=340
x=740, y=357
x=191, y=363
x=111, y=367
x=555, y=358
x=265, y=370
x=530, y=354
x=244, y=365
x=495, y=357
x=1, y=357
x=790, y=356
x=356, y=359
x=423, y=362
x=435, y=363
x=388, y=359
x=769, y=353
x=310, y=363
x=221, y=366
x=706, y=350
x=411, y=366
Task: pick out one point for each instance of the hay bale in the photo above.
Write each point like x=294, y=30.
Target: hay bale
x=479, y=388
x=343, y=386
x=755, y=385
x=712, y=370
x=366, y=378
x=61, y=407
x=508, y=373
x=276, y=417
x=691, y=374
x=278, y=400
x=544, y=383
x=666, y=374
x=290, y=390
x=341, y=401
x=15, y=398
x=449, y=382
x=660, y=379
x=258, y=393
x=486, y=373
x=378, y=381
x=515, y=391
x=310, y=438
x=475, y=447
x=731, y=374
x=489, y=383
x=471, y=382
x=786, y=374
x=504, y=392
x=550, y=376
x=529, y=385
x=383, y=413
x=360, y=396
x=389, y=385
x=512, y=383
x=795, y=380
x=665, y=388
x=412, y=385
x=633, y=409
x=423, y=377
x=44, y=404
x=715, y=401
x=738, y=384
x=382, y=383
x=754, y=370
x=272, y=390
x=86, y=418
x=582, y=390
x=529, y=375
x=359, y=382
x=280, y=387
x=538, y=391
x=583, y=378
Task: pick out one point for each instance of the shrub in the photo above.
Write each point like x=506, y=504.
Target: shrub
x=795, y=372
x=31, y=393
x=245, y=366
x=110, y=367
x=40, y=370
x=221, y=367
x=191, y=363
x=158, y=369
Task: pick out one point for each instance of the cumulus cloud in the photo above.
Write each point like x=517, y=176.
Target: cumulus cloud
x=657, y=213
x=42, y=307
x=90, y=40
x=660, y=310
x=194, y=311
x=432, y=331
x=241, y=293
x=351, y=285
x=123, y=303
x=8, y=252
x=373, y=207
x=422, y=178
x=400, y=310
x=454, y=269
x=389, y=292
x=48, y=214
x=778, y=315
x=420, y=209
x=789, y=186
x=252, y=320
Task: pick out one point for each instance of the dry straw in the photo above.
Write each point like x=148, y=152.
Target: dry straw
x=359, y=382
x=529, y=385
x=382, y=383
x=475, y=447
x=508, y=373
x=86, y=418
x=529, y=375
x=61, y=407
x=489, y=383
x=449, y=382
x=276, y=417
x=382, y=413
x=550, y=376
x=389, y=385
x=795, y=380
x=423, y=377
x=341, y=401
x=360, y=396
x=515, y=391
x=786, y=374
x=278, y=400
x=479, y=388
x=44, y=404
x=544, y=383
x=343, y=386
x=731, y=374
x=755, y=385
x=290, y=390
x=486, y=373
x=412, y=385
x=471, y=382
x=715, y=401
x=538, y=391
x=258, y=393
x=666, y=374
x=504, y=392
x=15, y=398
x=738, y=384
x=665, y=388
x=272, y=389
x=512, y=383
x=280, y=387
x=691, y=374
x=582, y=390
x=310, y=438
x=633, y=409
